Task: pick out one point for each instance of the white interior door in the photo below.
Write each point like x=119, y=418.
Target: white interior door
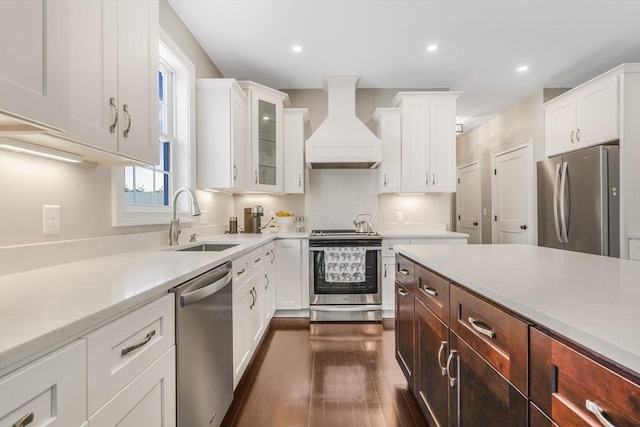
x=468, y=202
x=512, y=195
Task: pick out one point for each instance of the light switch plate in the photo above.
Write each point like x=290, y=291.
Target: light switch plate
x=204, y=217
x=50, y=219
x=399, y=216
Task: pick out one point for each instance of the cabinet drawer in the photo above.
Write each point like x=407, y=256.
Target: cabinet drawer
x=537, y=418
x=497, y=336
x=405, y=273
x=256, y=260
x=387, y=245
x=241, y=271
x=433, y=291
x=51, y=391
x=563, y=381
x=120, y=351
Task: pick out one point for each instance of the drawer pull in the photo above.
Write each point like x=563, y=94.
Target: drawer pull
x=403, y=272
x=140, y=344
x=430, y=291
x=257, y=260
x=443, y=344
x=403, y=293
x=599, y=413
x=241, y=272
x=28, y=419
x=484, y=331
x=452, y=380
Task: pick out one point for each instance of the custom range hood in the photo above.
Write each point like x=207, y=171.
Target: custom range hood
x=342, y=141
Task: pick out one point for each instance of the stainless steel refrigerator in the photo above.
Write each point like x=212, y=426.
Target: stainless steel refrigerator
x=578, y=201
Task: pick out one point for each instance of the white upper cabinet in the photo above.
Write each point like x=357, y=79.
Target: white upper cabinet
x=389, y=124
x=587, y=115
x=428, y=132
x=222, y=123
x=114, y=77
x=266, y=154
x=34, y=65
x=294, y=120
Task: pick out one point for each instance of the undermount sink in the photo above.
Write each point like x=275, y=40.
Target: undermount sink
x=208, y=247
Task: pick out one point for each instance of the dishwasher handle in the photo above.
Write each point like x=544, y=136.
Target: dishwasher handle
x=210, y=283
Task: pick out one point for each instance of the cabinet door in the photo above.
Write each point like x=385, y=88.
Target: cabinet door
x=93, y=69
x=34, y=61
x=289, y=280
x=256, y=309
x=51, y=391
x=478, y=394
x=390, y=169
x=432, y=348
x=239, y=137
x=560, y=127
x=266, y=143
x=242, y=299
x=293, y=129
x=388, y=283
x=148, y=400
x=138, y=79
x=442, y=145
x=415, y=145
x=405, y=332
x=598, y=113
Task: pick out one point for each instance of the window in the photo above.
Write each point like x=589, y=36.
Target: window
x=142, y=194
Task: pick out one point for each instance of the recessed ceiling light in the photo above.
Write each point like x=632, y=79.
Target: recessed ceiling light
x=432, y=48
x=522, y=68
x=297, y=49
x=265, y=118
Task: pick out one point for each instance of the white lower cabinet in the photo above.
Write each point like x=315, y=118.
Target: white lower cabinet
x=388, y=283
x=148, y=400
x=51, y=391
x=289, y=278
x=242, y=300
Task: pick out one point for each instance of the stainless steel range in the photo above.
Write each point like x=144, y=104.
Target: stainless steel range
x=345, y=282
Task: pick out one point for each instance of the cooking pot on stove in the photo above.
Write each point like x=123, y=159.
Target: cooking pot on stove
x=363, y=225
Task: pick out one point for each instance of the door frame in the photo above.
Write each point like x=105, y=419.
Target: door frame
x=479, y=187
x=531, y=214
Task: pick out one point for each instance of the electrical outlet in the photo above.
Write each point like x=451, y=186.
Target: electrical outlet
x=484, y=211
x=50, y=219
x=399, y=216
x=272, y=215
x=204, y=217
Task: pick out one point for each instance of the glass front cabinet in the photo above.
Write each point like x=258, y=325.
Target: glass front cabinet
x=266, y=153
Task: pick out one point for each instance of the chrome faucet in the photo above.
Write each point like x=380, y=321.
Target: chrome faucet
x=174, y=228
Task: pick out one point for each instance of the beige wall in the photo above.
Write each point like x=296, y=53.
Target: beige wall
x=84, y=192
x=513, y=126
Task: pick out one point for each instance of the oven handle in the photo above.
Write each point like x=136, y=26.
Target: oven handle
x=369, y=248
x=345, y=308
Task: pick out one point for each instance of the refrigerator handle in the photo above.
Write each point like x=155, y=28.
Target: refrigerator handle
x=563, y=219
x=555, y=203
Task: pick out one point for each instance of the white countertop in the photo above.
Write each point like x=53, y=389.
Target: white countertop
x=44, y=309
x=592, y=300
x=423, y=235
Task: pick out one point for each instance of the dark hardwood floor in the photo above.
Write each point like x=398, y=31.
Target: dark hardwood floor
x=324, y=374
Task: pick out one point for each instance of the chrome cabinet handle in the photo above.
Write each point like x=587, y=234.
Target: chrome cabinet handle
x=403, y=293
x=299, y=180
x=598, y=412
x=427, y=179
x=578, y=135
x=257, y=260
x=140, y=344
x=254, y=295
x=235, y=172
x=385, y=270
x=403, y=272
x=452, y=380
x=27, y=419
x=571, y=137
x=430, y=291
x=125, y=108
x=484, y=331
x=443, y=369
x=241, y=272
x=385, y=179
x=256, y=173
x=267, y=285
x=112, y=102
x=434, y=178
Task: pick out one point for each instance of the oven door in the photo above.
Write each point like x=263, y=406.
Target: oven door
x=348, y=293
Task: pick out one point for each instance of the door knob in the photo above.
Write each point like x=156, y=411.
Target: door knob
x=475, y=223
x=523, y=227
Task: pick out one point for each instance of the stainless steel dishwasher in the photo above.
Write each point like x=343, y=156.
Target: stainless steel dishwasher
x=204, y=337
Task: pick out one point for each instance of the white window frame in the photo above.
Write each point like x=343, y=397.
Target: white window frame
x=182, y=149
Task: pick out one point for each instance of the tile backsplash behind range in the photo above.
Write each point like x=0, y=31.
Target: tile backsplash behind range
x=336, y=196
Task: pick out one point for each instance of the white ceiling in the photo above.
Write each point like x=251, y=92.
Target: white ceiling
x=481, y=43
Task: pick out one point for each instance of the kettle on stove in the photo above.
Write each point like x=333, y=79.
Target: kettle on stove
x=363, y=225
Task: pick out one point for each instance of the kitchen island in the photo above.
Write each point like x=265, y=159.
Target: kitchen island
x=538, y=335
